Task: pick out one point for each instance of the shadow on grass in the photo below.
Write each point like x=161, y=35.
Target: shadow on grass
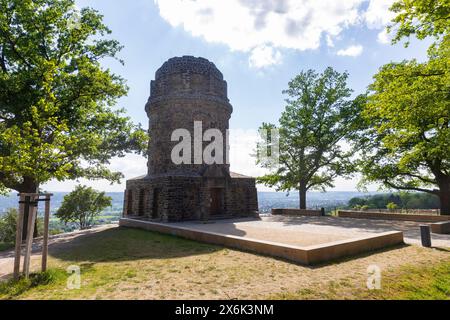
x=126, y=244
x=441, y=249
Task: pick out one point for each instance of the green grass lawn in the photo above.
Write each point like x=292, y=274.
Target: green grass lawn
x=408, y=283
x=122, y=263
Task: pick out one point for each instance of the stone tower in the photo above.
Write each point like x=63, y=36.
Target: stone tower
x=185, y=90
x=190, y=94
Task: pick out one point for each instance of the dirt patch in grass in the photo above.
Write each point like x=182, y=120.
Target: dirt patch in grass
x=121, y=263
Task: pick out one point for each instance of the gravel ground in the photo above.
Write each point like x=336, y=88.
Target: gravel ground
x=305, y=231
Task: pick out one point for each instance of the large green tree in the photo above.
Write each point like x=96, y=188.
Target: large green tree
x=57, y=115
x=82, y=206
x=318, y=117
x=420, y=18
x=406, y=144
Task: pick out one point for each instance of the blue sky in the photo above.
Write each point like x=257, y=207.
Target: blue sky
x=258, y=45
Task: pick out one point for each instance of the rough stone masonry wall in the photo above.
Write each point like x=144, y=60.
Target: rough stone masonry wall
x=190, y=198
x=243, y=197
x=187, y=198
x=184, y=199
x=145, y=187
x=165, y=117
x=186, y=90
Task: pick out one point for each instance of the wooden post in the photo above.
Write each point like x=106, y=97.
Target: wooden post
x=425, y=234
x=26, y=216
x=19, y=227
x=30, y=234
x=45, y=240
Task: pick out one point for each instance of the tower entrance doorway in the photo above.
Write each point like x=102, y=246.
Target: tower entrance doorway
x=216, y=201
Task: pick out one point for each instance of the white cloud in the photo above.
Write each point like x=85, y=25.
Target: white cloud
x=131, y=166
x=264, y=27
x=264, y=56
x=384, y=37
x=378, y=15
x=352, y=51
x=242, y=146
x=330, y=42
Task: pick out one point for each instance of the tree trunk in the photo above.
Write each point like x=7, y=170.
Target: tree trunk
x=444, y=197
x=302, y=194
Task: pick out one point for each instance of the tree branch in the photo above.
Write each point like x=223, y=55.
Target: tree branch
x=391, y=185
x=14, y=49
x=2, y=61
x=426, y=180
x=8, y=182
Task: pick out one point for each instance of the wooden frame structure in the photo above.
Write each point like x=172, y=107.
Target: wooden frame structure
x=30, y=201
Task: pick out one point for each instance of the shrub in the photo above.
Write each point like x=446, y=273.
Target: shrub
x=82, y=205
x=407, y=200
x=8, y=226
x=8, y=223
x=391, y=206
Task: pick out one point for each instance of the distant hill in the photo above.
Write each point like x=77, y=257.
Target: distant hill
x=267, y=200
